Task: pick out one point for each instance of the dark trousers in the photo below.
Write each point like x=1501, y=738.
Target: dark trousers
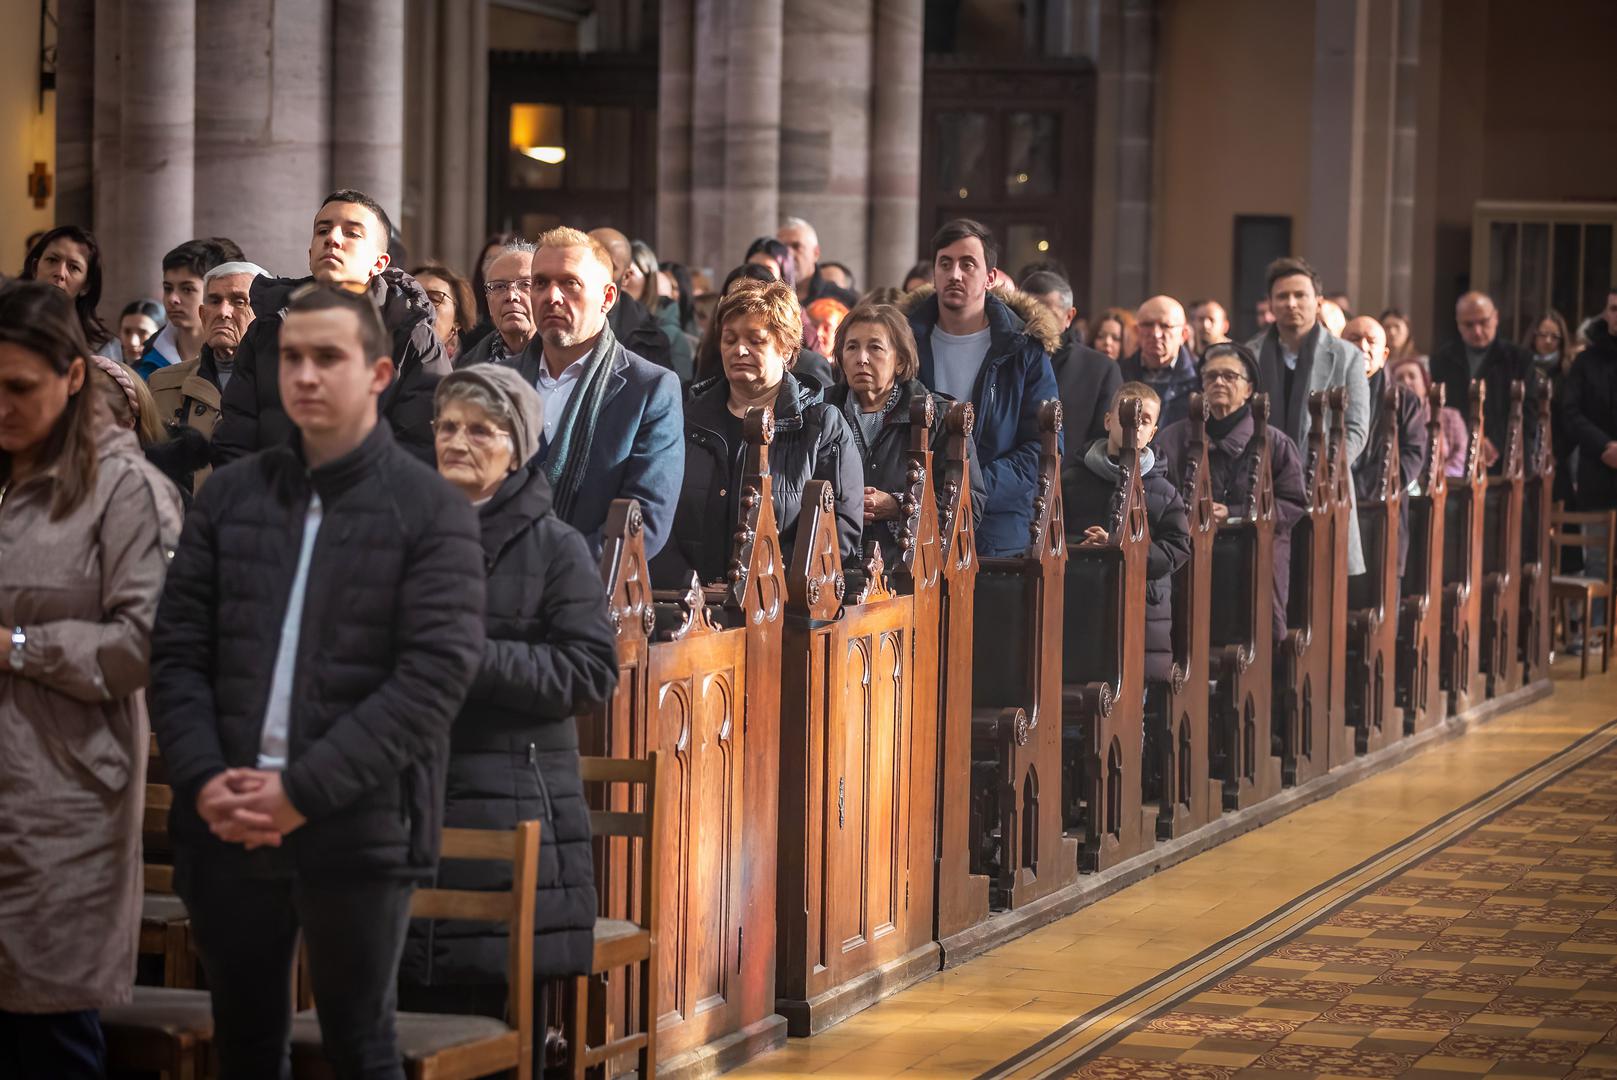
x=246, y=932
x=52, y=1046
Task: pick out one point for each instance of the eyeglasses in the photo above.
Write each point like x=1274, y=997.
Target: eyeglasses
x=1221, y=375
x=440, y=298
x=479, y=434
x=1166, y=329
x=496, y=288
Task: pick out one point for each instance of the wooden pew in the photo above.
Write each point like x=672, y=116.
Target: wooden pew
x=1303, y=658
x=1372, y=626
x=962, y=896
x=1420, y=616
x=1016, y=696
x=1462, y=569
x=1538, y=485
x=1500, y=655
x=707, y=696
x=1103, y=677
x=1242, y=635
x=857, y=783
x=1340, y=749
x=1190, y=796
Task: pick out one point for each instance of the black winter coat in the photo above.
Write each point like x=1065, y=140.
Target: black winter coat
x=1411, y=452
x=1503, y=363
x=1227, y=472
x=883, y=459
x=1087, y=498
x=637, y=330
x=1087, y=380
x=253, y=417
x=392, y=634
x=812, y=442
x=513, y=753
x=1589, y=410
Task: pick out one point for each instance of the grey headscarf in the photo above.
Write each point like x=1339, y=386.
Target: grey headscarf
x=525, y=412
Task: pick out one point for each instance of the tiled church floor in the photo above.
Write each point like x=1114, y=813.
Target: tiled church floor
x=1453, y=916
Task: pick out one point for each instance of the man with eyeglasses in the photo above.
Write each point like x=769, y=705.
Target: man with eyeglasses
x=1480, y=353
x=1298, y=355
x=1164, y=361
x=508, y=280
x=1229, y=377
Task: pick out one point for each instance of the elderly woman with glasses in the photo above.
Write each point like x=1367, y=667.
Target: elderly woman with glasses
x=1229, y=373
x=550, y=652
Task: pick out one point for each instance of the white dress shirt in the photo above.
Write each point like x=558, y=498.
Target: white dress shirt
x=556, y=392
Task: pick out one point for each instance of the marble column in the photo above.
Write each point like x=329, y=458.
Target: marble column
x=752, y=124
x=261, y=125
x=825, y=123
x=446, y=127
x=156, y=179
x=367, y=99
x=106, y=126
x=676, y=53
x=75, y=111
x=895, y=143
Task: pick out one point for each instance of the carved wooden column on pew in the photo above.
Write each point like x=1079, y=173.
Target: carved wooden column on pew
x=608, y=730
x=1537, y=503
x=1462, y=568
x=1190, y=797
x=856, y=781
x=1243, y=635
x=1500, y=657
x=1103, y=664
x=1016, y=691
x=962, y=896
x=710, y=703
x=1420, y=619
x=1340, y=748
x=1303, y=657
x=1372, y=628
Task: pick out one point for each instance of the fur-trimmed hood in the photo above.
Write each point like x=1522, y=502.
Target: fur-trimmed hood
x=1038, y=321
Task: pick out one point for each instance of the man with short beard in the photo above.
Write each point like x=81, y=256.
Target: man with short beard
x=510, y=307
x=613, y=424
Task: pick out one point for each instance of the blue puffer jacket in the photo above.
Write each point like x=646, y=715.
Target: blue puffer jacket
x=1014, y=380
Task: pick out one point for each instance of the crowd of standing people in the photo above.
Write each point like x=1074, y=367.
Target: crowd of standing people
x=382, y=610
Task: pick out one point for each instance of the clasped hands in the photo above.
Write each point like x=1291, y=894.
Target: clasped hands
x=248, y=807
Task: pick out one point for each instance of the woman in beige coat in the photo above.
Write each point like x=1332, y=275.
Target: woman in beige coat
x=85, y=529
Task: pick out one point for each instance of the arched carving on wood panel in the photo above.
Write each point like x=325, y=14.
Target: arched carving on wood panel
x=814, y=582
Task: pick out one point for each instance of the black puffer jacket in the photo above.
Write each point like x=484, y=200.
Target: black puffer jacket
x=391, y=637
x=1227, y=472
x=513, y=754
x=253, y=417
x=1088, y=496
x=883, y=459
x=812, y=442
x=1411, y=452
x=1589, y=411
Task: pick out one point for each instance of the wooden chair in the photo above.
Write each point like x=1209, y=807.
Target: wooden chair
x=623, y=943
x=1595, y=532
x=162, y=1030
x=165, y=925
x=458, y=1047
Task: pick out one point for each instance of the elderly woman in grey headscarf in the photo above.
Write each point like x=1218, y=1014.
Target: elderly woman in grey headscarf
x=514, y=747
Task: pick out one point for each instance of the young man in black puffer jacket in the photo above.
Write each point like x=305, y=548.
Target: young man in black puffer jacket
x=319, y=629
x=1087, y=488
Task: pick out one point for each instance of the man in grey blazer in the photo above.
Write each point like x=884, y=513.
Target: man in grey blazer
x=1298, y=355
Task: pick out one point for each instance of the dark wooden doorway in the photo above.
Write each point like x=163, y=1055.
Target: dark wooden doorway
x=1011, y=143
x=572, y=141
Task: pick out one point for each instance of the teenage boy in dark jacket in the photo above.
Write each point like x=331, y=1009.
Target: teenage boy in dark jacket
x=1087, y=489
x=321, y=623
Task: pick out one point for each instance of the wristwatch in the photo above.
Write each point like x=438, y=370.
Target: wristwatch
x=18, y=641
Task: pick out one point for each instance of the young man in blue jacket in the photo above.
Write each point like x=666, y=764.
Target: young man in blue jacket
x=974, y=347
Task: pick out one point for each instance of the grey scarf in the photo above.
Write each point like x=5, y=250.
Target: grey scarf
x=1107, y=469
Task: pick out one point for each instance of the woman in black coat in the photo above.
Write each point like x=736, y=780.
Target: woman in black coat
x=760, y=330
x=514, y=747
x=875, y=350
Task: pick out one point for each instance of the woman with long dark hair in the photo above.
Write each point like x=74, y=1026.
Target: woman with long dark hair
x=69, y=258
x=86, y=526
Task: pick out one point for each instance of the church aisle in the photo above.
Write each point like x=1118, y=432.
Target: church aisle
x=1228, y=964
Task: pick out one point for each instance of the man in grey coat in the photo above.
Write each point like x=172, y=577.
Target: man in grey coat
x=1298, y=355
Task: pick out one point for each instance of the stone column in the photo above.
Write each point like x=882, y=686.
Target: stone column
x=752, y=124
x=261, y=126
x=158, y=151
x=75, y=112
x=1406, y=127
x=895, y=144
x=446, y=131
x=367, y=99
x=1136, y=152
x=825, y=144
x=1336, y=155
x=709, y=133
x=106, y=126
x=676, y=51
